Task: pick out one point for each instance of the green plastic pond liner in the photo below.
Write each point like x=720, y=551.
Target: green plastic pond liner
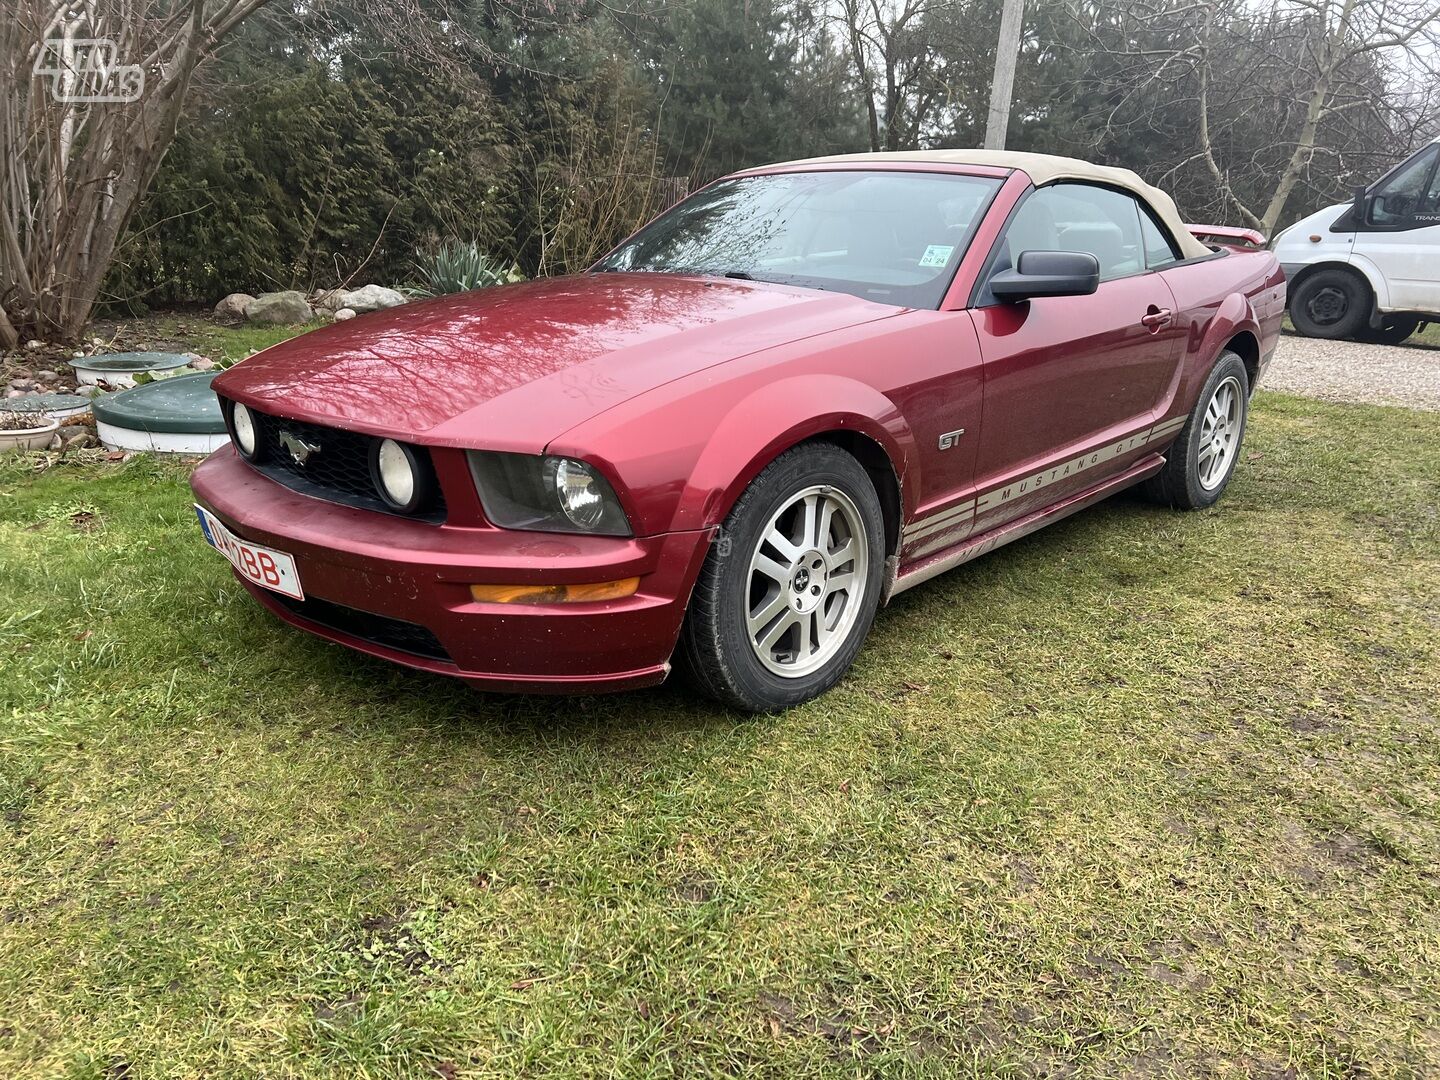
x=58, y=406
x=130, y=363
x=183, y=405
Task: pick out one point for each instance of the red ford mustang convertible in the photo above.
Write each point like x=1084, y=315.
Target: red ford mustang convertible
x=800, y=391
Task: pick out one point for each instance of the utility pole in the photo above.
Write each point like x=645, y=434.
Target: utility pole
x=1002, y=86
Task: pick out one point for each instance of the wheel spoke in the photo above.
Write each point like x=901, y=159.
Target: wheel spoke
x=822, y=632
x=845, y=553
x=781, y=627
x=827, y=518
x=842, y=582
x=782, y=543
x=810, y=521
x=802, y=647
x=764, y=564
x=768, y=611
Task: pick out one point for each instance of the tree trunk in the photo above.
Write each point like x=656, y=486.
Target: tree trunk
x=84, y=136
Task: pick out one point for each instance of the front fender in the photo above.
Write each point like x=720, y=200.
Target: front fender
x=779, y=415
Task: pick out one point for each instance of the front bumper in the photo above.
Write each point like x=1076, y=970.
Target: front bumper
x=419, y=574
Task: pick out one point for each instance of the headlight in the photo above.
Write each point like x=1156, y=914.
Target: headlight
x=548, y=494
x=244, y=424
x=398, y=476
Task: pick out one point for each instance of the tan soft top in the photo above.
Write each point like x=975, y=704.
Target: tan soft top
x=1042, y=169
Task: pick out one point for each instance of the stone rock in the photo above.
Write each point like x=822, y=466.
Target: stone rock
x=233, y=306
x=55, y=443
x=22, y=384
x=88, y=390
x=341, y=314
x=371, y=298
x=202, y=364
x=278, y=309
x=329, y=299
x=14, y=393
x=35, y=343
x=48, y=376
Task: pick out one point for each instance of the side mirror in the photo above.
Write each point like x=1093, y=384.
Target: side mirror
x=1361, y=208
x=1048, y=273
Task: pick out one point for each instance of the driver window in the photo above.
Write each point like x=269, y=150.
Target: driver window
x=1404, y=194
x=1078, y=217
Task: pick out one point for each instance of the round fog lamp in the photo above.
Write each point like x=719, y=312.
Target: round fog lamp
x=244, y=425
x=397, y=475
x=579, y=494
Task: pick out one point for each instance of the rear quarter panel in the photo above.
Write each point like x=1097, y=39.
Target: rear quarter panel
x=1239, y=292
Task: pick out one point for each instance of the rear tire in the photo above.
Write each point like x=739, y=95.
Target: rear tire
x=1394, y=330
x=789, y=590
x=1202, y=459
x=1330, y=304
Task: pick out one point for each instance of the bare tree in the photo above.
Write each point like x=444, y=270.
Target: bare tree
x=1265, y=94
x=900, y=70
x=90, y=95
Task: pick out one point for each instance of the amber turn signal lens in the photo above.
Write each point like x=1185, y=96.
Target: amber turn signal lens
x=555, y=594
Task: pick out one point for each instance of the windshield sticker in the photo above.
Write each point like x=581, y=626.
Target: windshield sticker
x=937, y=255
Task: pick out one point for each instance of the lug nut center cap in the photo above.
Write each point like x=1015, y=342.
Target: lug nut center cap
x=807, y=583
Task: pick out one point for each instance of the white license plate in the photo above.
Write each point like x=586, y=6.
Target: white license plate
x=266, y=567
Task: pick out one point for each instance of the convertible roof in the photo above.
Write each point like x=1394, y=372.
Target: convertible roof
x=1042, y=169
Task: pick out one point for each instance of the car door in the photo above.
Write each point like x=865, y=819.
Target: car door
x=1400, y=233
x=1067, y=376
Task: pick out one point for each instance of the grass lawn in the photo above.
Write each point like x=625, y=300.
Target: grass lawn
x=1144, y=794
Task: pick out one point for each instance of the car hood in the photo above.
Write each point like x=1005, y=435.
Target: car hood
x=510, y=368
x=1294, y=236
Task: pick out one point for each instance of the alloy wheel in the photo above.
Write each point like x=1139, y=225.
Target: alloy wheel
x=807, y=577
x=1220, y=431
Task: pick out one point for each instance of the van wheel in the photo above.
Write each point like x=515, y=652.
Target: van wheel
x=787, y=595
x=1394, y=330
x=1330, y=304
x=1201, y=460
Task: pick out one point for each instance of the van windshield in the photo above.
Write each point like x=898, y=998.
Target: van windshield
x=891, y=237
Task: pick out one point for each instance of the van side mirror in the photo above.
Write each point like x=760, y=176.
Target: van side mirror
x=1359, y=208
x=1048, y=273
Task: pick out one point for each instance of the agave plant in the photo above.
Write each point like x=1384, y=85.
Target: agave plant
x=460, y=265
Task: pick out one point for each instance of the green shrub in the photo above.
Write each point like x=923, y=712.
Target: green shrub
x=459, y=266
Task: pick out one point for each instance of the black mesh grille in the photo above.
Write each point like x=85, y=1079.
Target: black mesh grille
x=338, y=469
x=380, y=629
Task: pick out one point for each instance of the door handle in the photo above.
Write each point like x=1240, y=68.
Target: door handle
x=1155, y=318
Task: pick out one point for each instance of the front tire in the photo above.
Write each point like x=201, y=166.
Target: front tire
x=1330, y=304
x=789, y=590
x=1202, y=459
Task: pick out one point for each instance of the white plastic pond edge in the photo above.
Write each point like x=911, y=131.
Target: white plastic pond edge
x=36, y=438
x=160, y=442
x=119, y=380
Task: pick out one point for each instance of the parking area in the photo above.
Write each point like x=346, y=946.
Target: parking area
x=1356, y=372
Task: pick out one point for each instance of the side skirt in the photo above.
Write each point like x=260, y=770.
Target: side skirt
x=975, y=546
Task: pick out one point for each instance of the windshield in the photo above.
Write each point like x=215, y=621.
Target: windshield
x=892, y=237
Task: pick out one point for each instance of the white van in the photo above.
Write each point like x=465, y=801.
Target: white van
x=1370, y=268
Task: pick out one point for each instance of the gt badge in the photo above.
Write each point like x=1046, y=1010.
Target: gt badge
x=950, y=438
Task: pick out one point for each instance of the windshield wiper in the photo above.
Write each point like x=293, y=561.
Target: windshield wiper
x=740, y=275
